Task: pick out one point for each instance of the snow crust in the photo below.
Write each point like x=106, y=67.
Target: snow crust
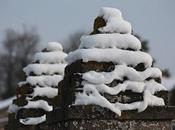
x=33, y=120
x=115, y=40
x=44, y=80
x=45, y=92
x=43, y=75
x=135, y=86
x=119, y=72
x=50, y=57
x=91, y=95
x=47, y=69
x=54, y=46
x=114, y=21
x=95, y=84
x=114, y=55
x=39, y=104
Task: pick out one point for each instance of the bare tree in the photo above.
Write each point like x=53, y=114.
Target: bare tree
x=18, y=52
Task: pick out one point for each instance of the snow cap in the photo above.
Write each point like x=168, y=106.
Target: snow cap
x=107, y=12
x=54, y=46
x=114, y=21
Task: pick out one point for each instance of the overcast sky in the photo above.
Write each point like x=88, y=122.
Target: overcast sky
x=55, y=20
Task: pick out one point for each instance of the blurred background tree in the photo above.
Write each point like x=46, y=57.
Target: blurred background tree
x=18, y=50
x=146, y=48
x=73, y=42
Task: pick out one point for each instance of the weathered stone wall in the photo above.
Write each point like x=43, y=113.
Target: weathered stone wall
x=14, y=124
x=112, y=125
x=93, y=117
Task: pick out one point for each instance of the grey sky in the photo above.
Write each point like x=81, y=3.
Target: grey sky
x=154, y=20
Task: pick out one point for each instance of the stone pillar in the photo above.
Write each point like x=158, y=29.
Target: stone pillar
x=92, y=117
x=67, y=116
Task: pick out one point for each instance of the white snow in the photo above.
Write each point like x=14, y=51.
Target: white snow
x=6, y=103
x=135, y=86
x=44, y=80
x=39, y=104
x=21, y=83
x=45, y=91
x=149, y=100
x=108, y=12
x=50, y=57
x=33, y=120
x=101, y=48
x=115, y=40
x=109, y=47
x=47, y=69
x=152, y=87
x=91, y=95
x=43, y=74
x=114, y=21
x=119, y=72
x=13, y=108
x=95, y=84
x=127, y=85
x=54, y=46
x=114, y=55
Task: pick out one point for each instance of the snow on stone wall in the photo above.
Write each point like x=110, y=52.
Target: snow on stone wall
x=115, y=43
x=43, y=76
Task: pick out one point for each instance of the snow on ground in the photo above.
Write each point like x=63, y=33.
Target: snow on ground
x=6, y=103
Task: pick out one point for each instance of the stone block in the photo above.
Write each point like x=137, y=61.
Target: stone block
x=92, y=117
